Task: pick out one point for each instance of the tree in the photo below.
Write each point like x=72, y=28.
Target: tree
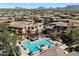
x=36, y=20
x=77, y=48
x=9, y=42
x=3, y=27
x=46, y=22
x=74, y=35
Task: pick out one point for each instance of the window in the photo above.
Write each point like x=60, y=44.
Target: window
x=32, y=27
x=28, y=28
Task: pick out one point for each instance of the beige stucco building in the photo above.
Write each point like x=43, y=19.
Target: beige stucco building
x=25, y=27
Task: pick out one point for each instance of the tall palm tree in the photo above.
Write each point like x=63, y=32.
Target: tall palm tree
x=9, y=42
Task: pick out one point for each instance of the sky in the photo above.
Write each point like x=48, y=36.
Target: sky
x=35, y=5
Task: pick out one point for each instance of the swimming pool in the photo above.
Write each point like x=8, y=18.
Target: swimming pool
x=34, y=46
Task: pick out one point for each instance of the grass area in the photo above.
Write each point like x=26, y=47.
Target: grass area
x=76, y=30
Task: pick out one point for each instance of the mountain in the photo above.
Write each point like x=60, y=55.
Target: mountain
x=76, y=7
x=19, y=8
x=41, y=8
x=68, y=7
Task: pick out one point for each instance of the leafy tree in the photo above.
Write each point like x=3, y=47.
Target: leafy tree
x=74, y=34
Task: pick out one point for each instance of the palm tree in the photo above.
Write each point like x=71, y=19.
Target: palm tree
x=3, y=26
x=76, y=35
x=9, y=42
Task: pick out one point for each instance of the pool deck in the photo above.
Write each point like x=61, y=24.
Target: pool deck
x=25, y=52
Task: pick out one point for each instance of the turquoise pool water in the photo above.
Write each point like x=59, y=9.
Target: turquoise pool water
x=34, y=46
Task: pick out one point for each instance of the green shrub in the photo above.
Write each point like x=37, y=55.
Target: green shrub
x=77, y=48
x=18, y=52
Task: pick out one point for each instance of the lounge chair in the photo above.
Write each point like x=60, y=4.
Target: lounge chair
x=21, y=45
x=19, y=42
x=30, y=53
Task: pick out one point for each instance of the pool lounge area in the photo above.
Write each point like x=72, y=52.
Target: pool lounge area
x=35, y=47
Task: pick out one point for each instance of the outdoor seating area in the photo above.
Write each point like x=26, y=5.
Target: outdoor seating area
x=40, y=48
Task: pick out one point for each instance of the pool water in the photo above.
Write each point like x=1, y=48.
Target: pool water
x=34, y=46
